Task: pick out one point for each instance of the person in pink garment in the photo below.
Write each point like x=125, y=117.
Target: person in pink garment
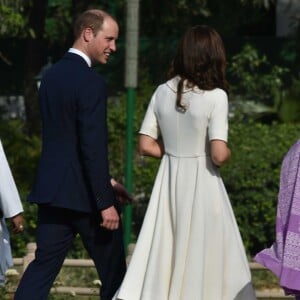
x=283, y=257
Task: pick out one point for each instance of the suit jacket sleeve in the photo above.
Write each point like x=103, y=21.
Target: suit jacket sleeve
x=92, y=128
x=10, y=203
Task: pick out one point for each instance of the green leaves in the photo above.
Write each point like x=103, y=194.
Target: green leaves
x=256, y=84
x=254, y=77
x=12, y=19
x=252, y=177
x=58, y=21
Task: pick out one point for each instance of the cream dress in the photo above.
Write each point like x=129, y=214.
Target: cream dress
x=189, y=247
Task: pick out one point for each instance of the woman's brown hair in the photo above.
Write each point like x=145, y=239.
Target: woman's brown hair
x=200, y=61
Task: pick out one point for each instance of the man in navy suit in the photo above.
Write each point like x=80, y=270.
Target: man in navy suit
x=74, y=191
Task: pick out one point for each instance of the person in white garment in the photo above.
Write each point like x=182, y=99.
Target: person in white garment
x=10, y=209
x=189, y=246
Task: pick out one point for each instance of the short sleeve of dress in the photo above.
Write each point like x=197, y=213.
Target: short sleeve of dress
x=150, y=124
x=218, y=124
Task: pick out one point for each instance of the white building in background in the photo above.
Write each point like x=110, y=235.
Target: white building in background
x=12, y=107
x=287, y=17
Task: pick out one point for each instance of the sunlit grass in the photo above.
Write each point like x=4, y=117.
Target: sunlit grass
x=88, y=277
x=264, y=279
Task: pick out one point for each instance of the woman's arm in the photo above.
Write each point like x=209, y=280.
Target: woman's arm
x=149, y=146
x=219, y=151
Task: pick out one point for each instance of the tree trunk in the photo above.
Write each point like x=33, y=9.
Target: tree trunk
x=34, y=60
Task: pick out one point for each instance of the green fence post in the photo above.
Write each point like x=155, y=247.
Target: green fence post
x=129, y=163
x=131, y=62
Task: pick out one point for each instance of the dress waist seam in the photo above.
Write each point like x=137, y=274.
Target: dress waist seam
x=186, y=156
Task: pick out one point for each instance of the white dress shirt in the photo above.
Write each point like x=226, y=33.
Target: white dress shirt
x=83, y=55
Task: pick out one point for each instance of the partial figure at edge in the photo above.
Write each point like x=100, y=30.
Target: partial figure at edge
x=283, y=257
x=10, y=208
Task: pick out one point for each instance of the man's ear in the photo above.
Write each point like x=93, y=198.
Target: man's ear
x=87, y=34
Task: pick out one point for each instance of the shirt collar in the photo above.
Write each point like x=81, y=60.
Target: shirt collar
x=83, y=55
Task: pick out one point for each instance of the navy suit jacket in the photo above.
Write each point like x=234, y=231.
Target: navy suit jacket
x=73, y=170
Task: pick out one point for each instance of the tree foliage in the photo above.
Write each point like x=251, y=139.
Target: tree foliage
x=252, y=177
x=262, y=81
x=58, y=21
x=260, y=91
x=12, y=19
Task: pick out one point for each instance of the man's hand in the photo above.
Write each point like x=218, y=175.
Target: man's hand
x=121, y=193
x=110, y=218
x=17, y=223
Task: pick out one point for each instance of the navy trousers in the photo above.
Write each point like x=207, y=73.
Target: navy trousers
x=57, y=228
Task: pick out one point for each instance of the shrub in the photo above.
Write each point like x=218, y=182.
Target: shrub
x=252, y=177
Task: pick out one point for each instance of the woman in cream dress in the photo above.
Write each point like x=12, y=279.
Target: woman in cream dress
x=189, y=247
x=10, y=208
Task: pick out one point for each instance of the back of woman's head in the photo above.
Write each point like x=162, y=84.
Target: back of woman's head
x=200, y=59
